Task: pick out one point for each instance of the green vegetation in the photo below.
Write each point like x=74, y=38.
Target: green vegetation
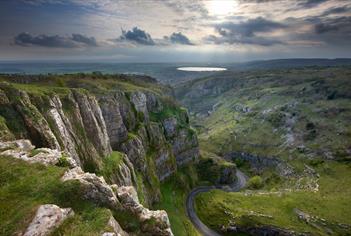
x=174, y=192
x=273, y=112
x=277, y=208
x=298, y=115
x=111, y=165
x=210, y=167
x=23, y=187
x=255, y=182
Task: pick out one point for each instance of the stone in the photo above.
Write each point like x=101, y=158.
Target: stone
x=94, y=188
x=24, y=150
x=152, y=222
x=135, y=151
x=138, y=99
x=47, y=218
x=117, y=229
x=94, y=123
x=116, y=129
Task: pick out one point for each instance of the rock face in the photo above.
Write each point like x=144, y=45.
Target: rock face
x=111, y=111
x=259, y=162
x=227, y=175
x=47, y=218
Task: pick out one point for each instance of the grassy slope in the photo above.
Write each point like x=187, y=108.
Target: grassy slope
x=330, y=203
x=23, y=187
x=313, y=95
x=174, y=192
x=273, y=97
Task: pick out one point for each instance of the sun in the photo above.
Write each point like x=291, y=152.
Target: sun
x=221, y=7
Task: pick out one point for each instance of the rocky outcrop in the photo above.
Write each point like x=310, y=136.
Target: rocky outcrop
x=227, y=174
x=24, y=150
x=152, y=222
x=139, y=100
x=115, y=197
x=38, y=128
x=94, y=188
x=46, y=219
x=116, y=228
x=258, y=163
x=125, y=174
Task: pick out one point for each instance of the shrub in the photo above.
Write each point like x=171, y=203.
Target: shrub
x=255, y=182
x=63, y=161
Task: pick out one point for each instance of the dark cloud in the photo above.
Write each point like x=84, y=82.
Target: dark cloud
x=90, y=41
x=137, y=36
x=310, y=3
x=245, y=32
x=336, y=10
x=339, y=25
x=55, y=41
x=179, y=38
x=183, y=6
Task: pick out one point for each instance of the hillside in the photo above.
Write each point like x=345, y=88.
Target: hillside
x=290, y=128
x=98, y=146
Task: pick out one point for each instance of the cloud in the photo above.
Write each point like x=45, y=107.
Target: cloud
x=245, y=32
x=55, y=41
x=89, y=41
x=340, y=25
x=137, y=36
x=310, y=3
x=336, y=10
x=178, y=38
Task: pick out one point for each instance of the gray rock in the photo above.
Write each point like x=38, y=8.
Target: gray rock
x=152, y=222
x=135, y=151
x=117, y=229
x=94, y=123
x=139, y=100
x=94, y=188
x=116, y=129
x=24, y=150
x=47, y=218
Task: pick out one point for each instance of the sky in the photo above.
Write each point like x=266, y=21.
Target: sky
x=174, y=30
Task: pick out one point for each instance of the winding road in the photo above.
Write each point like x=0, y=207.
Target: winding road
x=201, y=227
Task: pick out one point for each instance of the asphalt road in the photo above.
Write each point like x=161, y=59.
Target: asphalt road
x=201, y=227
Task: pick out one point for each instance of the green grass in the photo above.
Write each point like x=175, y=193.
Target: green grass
x=24, y=187
x=174, y=192
x=330, y=203
x=111, y=164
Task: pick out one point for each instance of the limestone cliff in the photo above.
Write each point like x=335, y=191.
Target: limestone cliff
x=123, y=128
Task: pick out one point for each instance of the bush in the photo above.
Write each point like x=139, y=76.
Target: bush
x=63, y=161
x=255, y=182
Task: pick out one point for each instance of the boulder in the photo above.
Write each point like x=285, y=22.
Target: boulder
x=46, y=219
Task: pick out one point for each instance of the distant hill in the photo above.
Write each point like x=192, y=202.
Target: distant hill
x=291, y=63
